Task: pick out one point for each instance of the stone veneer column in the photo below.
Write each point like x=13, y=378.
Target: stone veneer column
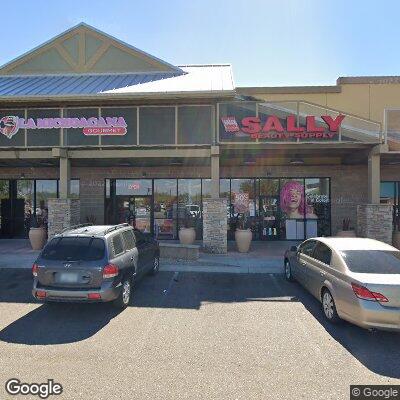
x=375, y=221
x=63, y=213
x=215, y=226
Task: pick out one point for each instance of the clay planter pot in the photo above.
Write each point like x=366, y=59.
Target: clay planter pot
x=187, y=235
x=37, y=237
x=243, y=239
x=350, y=233
x=396, y=239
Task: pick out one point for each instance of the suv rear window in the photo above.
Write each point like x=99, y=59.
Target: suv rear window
x=74, y=249
x=372, y=261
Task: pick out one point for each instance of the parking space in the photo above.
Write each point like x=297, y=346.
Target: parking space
x=191, y=335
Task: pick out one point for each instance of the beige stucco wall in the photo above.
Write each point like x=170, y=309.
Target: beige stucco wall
x=365, y=100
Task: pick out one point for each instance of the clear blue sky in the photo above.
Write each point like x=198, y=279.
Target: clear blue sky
x=268, y=42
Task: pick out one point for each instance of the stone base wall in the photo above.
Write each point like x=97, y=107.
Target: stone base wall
x=374, y=221
x=215, y=226
x=63, y=213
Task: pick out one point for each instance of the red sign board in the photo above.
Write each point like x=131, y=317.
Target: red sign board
x=274, y=128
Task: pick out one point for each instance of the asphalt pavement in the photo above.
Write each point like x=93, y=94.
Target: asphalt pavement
x=190, y=336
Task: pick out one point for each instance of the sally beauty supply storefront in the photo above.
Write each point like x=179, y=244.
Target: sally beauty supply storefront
x=93, y=129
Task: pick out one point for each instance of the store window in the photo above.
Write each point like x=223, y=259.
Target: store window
x=194, y=124
x=189, y=205
x=390, y=195
x=268, y=209
x=75, y=136
x=130, y=117
x=43, y=137
x=165, y=208
x=133, y=187
x=156, y=125
x=74, y=188
x=292, y=209
x=4, y=206
x=11, y=135
x=236, y=111
x=243, y=204
x=24, y=205
x=318, y=207
x=45, y=190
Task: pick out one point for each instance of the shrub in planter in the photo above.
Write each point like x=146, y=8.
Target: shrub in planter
x=346, y=230
x=243, y=234
x=187, y=233
x=37, y=233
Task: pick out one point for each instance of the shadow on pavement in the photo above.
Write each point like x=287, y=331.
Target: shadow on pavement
x=66, y=323
x=59, y=323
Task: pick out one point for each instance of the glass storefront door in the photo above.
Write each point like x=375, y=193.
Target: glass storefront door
x=136, y=211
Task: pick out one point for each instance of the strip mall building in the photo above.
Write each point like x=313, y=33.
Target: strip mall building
x=93, y=129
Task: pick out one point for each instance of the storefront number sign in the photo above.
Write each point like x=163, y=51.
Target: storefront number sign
x=275, y=128
x=108, y=126
x=241, y=202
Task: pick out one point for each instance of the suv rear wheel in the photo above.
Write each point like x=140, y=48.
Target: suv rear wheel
x=122, y=301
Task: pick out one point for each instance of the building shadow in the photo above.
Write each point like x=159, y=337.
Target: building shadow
x=67, y=323
x=59, y=323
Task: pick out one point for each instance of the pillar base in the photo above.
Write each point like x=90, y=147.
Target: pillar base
x=375, y=221
x=215, y=226
x=63, y=213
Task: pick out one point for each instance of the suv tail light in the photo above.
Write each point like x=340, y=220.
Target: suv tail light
x=365, y=294
x=35, y=268
x=109, y=271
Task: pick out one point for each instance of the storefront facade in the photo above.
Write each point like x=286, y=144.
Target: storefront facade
x=139, y=140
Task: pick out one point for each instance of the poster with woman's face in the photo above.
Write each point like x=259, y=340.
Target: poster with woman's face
x=293, y=203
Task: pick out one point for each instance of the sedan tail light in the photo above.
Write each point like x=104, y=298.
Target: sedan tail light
x=109, y=271
x=41, y=294
x=365, y=294
x=35, y=268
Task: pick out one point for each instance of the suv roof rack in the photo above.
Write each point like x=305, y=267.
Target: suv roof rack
x=114, y=228
x=76, y=227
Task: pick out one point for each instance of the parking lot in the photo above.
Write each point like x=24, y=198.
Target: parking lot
x=190, y=335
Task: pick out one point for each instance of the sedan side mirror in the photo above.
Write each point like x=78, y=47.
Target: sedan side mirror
x=293, y=248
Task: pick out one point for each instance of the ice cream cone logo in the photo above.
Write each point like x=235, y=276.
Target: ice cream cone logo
x=9, y=126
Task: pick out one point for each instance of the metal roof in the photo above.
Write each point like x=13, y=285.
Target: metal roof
x=207, y=78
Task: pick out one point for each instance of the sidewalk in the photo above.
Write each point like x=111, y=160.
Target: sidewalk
x=264, y=257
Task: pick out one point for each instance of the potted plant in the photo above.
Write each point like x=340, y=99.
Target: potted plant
x=346, y=230
x=37, y=233
x=187, y=233
x=396, y=232
x=243, y=234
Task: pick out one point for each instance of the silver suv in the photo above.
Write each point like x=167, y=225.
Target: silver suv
x=94, y=264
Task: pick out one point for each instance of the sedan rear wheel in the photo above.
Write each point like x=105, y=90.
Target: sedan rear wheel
x=329, y=307
x=288, y=271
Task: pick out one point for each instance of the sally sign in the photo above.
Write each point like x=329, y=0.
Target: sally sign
x=274, y=127
x=108, y=126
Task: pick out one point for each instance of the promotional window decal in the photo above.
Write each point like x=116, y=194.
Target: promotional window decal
x=107, y=126
x=274, y=127
x=241, y=202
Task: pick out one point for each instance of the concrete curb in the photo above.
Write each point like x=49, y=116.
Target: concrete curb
x=221, y=269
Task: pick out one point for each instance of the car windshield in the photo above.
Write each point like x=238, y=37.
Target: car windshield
x=372, y=261
x=74, y=249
